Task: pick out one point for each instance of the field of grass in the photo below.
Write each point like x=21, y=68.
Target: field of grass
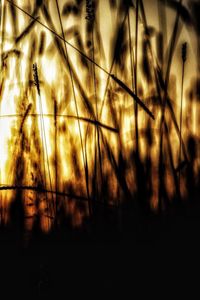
x=99, y=148
x=99, y=115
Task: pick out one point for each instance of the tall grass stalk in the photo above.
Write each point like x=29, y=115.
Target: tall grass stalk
x=136, y=78
x=77, y=111
x=56, y=152
x=184, y=57
x=164, y=102
x=44, y=141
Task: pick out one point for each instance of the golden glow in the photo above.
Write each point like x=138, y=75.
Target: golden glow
x=46, y=140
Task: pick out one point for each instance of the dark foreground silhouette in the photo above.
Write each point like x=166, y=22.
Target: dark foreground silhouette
x=103, y=258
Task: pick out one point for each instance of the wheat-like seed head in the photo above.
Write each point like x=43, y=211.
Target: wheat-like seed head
x=184, y=52
x=35, y=76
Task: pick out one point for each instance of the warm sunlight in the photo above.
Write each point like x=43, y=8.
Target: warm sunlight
x=98, y=110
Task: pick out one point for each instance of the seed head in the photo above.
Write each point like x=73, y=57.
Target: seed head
x=35, y=76
x=184, y=52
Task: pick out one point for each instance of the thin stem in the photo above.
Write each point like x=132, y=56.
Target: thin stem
x=164, y=102
x=96, y=111
x=181, y=113
x=97, y=136
x=56, y=152
x=135, y=75
x=76, y=105
x=131, y=51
